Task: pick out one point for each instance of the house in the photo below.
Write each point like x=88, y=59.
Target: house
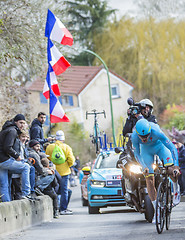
x=84, y=88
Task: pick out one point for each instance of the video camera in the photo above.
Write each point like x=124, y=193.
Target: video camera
x=134, y=108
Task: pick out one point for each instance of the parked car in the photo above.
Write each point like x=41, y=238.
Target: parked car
x=104, y=183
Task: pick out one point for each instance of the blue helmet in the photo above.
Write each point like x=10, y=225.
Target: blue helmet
x=143, y=128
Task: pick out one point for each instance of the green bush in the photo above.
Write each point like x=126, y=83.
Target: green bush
x=177, y=121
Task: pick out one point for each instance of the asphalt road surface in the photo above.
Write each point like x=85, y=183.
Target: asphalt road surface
x=112, y=223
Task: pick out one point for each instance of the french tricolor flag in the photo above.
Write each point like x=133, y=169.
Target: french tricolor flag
x=55, y=30
x=56, y=59
x=51, y=83
x=57, y=113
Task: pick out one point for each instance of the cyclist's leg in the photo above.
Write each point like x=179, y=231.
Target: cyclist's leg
x=150, y=183
x=148, y=159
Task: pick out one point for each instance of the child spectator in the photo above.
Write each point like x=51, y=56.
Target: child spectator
x=50, y=189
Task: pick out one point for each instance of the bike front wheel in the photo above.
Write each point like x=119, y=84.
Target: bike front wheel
x=160, y=208
x=169, y=202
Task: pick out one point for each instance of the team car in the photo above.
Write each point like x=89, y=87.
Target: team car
x=104, y=183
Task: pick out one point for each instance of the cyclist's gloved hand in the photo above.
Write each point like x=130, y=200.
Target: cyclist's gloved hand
x=176, y=171
x=146, y=171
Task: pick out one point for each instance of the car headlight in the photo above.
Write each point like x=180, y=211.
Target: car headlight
x=154, y=166
x=135, y=169
x=97, y=183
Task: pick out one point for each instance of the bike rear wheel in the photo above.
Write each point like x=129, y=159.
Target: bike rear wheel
x=169, y=202
x=160, y=208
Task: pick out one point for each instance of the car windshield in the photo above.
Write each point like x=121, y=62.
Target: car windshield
x=106, y=160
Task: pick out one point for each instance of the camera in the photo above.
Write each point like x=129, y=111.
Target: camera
x=134, y=108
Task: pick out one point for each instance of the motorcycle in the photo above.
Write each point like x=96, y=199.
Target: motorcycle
x=134, y=183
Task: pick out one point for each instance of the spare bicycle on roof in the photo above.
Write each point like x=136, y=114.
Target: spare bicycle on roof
x=96, y=136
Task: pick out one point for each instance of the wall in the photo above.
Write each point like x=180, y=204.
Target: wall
x=36, y=106
x=21, y=214
x=96, y=96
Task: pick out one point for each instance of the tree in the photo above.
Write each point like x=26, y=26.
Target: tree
x=173, y=116
x=22, y=48
x=87, y=18
x=149, y=54
x=22, y=41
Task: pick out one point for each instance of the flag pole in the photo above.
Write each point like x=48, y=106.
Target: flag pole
x=49, y=93
x=49, y=115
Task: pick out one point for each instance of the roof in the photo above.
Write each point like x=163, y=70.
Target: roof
x=73, y=80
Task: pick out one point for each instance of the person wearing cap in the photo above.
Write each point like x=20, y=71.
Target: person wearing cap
x=63, y=169
x=36, y=130
x=43, y=176
x=10, y=159
x=50, y=189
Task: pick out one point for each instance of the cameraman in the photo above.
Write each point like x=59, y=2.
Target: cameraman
x=143, y=109
x=146, y=107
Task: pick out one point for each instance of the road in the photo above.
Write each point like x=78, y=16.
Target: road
x=113, y=223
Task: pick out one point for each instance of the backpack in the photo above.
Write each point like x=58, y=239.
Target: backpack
x=58, y=155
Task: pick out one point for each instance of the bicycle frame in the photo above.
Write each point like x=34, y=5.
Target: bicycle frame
x=164, y=201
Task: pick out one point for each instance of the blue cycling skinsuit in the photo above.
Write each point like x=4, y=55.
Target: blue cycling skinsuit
x=157, y=144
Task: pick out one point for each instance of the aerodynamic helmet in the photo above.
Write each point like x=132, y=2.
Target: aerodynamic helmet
x=143, y=129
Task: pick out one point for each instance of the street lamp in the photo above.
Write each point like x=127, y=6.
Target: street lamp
x=110, y=94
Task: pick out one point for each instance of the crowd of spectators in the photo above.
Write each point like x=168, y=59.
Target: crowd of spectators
x=26, y=168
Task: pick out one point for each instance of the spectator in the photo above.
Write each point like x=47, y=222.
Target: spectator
x=50, y=189
x=20, y=147
x=43, y=176
x=181, y=154
x=36, y=130
x=63, y=169
x=72, y=179
x=10, y=159
x=76, y=165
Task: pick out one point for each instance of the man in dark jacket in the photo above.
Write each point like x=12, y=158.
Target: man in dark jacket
x=146, y=108
x=36, y=130
x=10, y=159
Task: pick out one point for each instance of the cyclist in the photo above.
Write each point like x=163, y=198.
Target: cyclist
x=146, y=108
x=148, y=140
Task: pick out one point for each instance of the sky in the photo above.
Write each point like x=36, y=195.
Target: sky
x=123, y=6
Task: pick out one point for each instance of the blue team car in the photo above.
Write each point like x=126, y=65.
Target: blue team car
x=104, y=183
